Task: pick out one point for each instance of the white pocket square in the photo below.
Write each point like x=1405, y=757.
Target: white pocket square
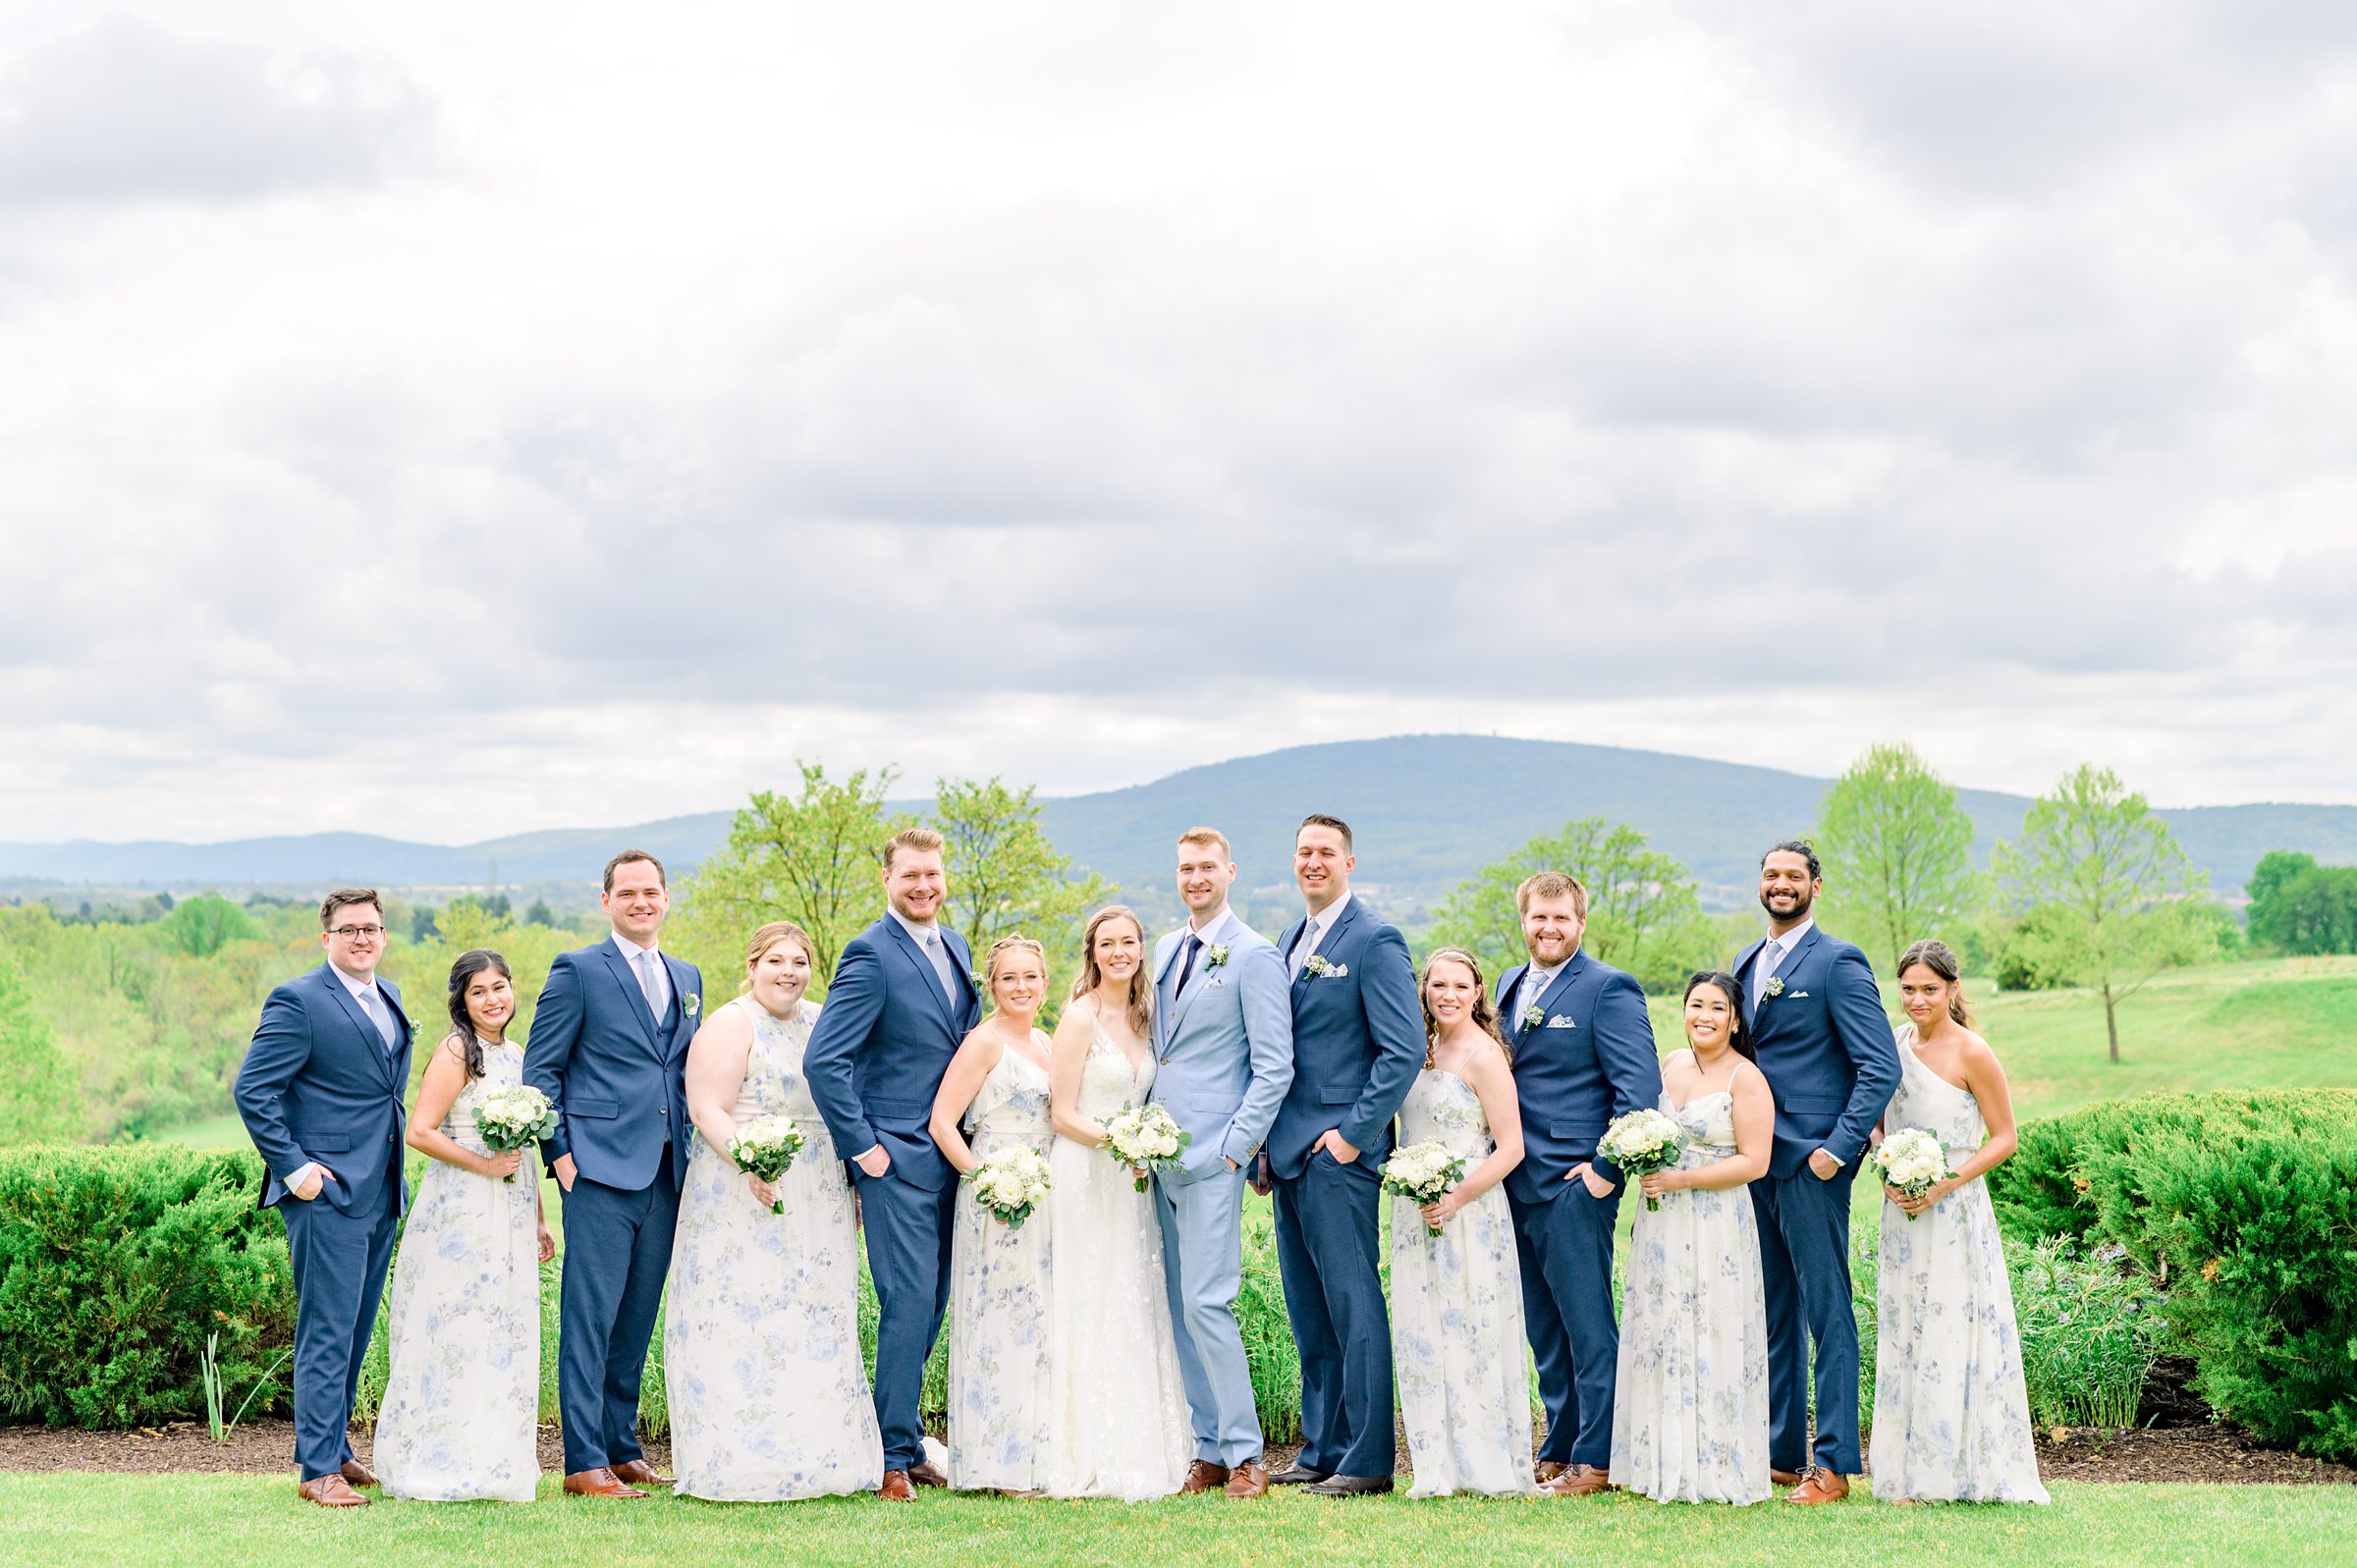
x=1800, y=996
x=1560, y=1023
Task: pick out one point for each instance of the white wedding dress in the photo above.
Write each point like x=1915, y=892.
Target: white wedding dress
x=1117, y=1412
x=1952, y=1414
x=461, y=1407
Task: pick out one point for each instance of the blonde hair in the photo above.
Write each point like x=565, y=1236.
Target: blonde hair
x=769, y=935
x=1551, y=884
x=1006, y=945
x=1199, y=836
x=1142, y=984
x=918, y=841
x=1485, y=1011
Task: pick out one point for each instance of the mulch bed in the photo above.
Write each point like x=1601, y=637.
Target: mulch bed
x=2207, y=1453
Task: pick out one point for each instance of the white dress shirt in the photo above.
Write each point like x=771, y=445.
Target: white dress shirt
x=1535, y=982
x=1326, y=919
x=660, y=1002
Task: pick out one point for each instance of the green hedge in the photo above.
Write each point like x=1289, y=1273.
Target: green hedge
x=2242, y=1205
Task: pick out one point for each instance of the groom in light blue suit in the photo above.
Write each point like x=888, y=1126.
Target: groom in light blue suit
x=1224, y=1040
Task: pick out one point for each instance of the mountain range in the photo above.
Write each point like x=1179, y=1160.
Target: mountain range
x=1427, y=810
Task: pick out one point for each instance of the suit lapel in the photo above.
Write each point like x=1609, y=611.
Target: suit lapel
x=684, y=1029
x=967, y=1013
x=915, y=956
x=1328, y=940
x=1559, y=990
x=634, y=998
x=363, y=1029
x=1196, y=982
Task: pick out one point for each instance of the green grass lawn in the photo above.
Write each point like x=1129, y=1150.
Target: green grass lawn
x=255, y=1522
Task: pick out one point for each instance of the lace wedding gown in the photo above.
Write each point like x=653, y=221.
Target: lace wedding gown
x=1952, y=1415
x=998, y=1298
x=1690, y=1401
x=761, y=1334
x=1117, y=1412
x=1456, y=1316
x=461, y=1406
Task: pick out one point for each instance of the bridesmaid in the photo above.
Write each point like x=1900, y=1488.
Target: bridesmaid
x=1456, y=1299
x=1690, y=1419
x=761, y=1342
x=461, y=1407
x=1951, y=1416
x=996, y=1085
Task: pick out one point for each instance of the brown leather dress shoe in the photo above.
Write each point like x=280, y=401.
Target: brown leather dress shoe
x=1581, y=1480
x=1248, y=1480
x=638, y=1473
x=1547, y=1470
x=896, y=1488
x=330, y=1491
x=922, y=1474
x=1783, y=1477
x=599, y=1482
x=1819, y=1485
x=1203, y=1475
x=358, y=1474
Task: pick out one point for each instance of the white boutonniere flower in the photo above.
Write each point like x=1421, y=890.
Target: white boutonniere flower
x=1216, y=955
x=1775, y=986
x=1533, y=1017
x=1318, y=965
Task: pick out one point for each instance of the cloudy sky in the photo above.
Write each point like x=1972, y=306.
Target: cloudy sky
x=450, y=420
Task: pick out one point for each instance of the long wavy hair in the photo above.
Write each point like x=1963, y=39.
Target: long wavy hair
x=1142, y=984
x=1485, y=1011
x=1732, y=989
x=1940, y=959
x=473, y=961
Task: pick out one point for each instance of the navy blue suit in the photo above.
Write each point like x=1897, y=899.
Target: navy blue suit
x=319, y=1085
x=1591, y=1059
x=1358, y=1044
x=616, y=1074
x=875, y=1060
x=1824, y=1043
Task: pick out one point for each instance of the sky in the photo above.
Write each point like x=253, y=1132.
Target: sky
x=447, y=421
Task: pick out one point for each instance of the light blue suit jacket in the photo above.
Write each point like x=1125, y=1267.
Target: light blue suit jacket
x=1224, y=1045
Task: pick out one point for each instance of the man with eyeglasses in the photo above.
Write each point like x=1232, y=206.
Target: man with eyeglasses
x=320, y=1093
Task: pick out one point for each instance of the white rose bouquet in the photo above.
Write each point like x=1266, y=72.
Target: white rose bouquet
x=1912, y=1161
x=764, y=1147
x=514, y=1118
x=1423, y=1174
x=1010, y=1183
x=1642, y=1143
x=1145, y=1138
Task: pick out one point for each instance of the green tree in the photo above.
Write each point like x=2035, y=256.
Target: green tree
x=1005, y=876
x=2117, y=900
x=205, y=924
x=39, y=1100
x=815, y=859
x=1644, y=915
x=1897, y=851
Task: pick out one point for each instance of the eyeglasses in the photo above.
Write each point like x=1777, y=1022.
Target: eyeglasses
x=356, y=932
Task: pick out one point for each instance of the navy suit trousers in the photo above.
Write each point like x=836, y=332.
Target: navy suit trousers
x=1804, y=1262
x=909, y=1256
x=340, y=1262
x=1566, y=1249
x=1328, y=1248
x=617, y=1251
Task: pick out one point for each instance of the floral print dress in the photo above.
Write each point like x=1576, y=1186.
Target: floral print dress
x=1456, y=1316
x=1952, y=1414
x=998, y=1298
x=761, y=1336
x=1691, y=1402
x=461, y=1406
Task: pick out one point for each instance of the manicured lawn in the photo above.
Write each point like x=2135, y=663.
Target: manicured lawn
x=255, y=1522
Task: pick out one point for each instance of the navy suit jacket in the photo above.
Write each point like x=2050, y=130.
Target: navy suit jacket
x=1596, y=1061
x=1825, y=1046
x=882, y=1043
x=1358, y=1040
x=317, y=1085
x=614, y=1071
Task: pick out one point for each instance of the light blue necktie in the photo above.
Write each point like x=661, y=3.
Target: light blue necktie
x=374, y=1006
x=932, y=943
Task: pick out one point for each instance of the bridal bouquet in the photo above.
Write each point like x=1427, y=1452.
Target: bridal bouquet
x=1145, y=1138
x=764, y=1147
x=1423, y=1174
x=1010, y=1183
x=512, y=1119
x=1642, y=1143
x=1913, y=1160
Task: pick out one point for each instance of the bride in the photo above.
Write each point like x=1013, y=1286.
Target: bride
x=1116, y=1413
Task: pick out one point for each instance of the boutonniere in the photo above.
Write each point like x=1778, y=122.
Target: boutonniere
x=1215, y=955
x=1318, y=965
x=1533, y=1017
x=1776, y=986
x=692, y=1003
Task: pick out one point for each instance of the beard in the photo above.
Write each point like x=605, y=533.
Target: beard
x=1802, y=900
